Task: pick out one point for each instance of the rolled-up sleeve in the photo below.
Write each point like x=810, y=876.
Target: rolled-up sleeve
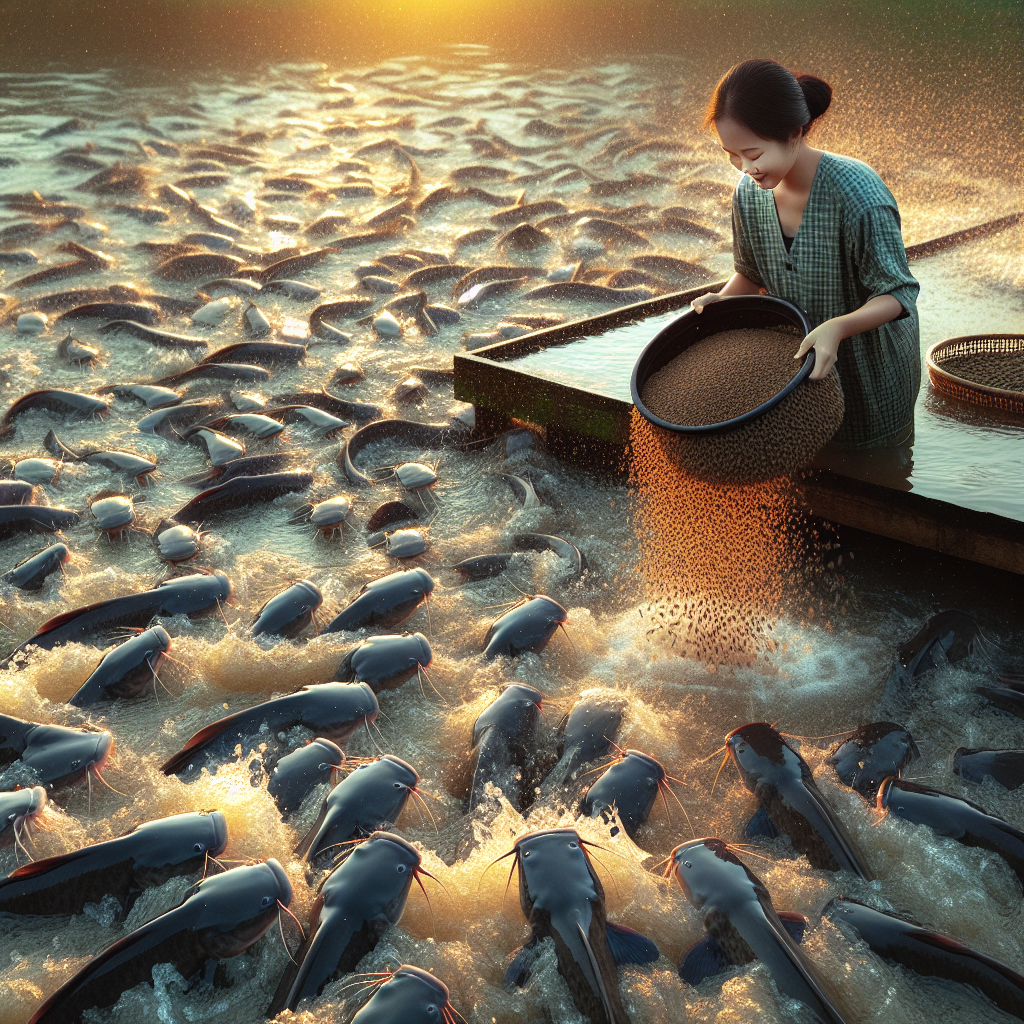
x=881, y=259
x=742, y=251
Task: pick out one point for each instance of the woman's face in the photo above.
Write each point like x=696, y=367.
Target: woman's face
x=765, y=160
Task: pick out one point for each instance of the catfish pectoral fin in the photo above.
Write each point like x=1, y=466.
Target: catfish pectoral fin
x=280, y=1001
x=517, y=974
x=794, y=923
x=629, y=946
x=760, y=825
x=704, y=959
x=302, y=847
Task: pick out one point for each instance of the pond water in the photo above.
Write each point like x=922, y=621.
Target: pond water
x=553, y=108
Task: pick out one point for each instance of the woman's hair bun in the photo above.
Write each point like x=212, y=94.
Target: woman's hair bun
x=769, y=99
x=817, y=92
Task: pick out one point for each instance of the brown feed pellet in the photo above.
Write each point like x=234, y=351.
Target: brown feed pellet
x=992, y=370
x=726, y=375
x=721, y=562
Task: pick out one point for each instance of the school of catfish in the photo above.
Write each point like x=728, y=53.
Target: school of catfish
x=260, y=443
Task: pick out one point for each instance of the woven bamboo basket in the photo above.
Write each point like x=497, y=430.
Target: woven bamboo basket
x=982, y=369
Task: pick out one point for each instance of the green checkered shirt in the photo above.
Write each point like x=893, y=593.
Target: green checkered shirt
x=848, y=250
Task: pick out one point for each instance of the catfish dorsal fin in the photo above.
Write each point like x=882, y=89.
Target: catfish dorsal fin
x=176, y=762
x=595, y=967
x=65, y=617
x=39, y=867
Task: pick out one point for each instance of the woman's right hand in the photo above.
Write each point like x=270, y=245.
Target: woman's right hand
x=701, y=301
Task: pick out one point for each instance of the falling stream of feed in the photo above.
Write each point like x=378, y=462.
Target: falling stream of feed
x=730, y=609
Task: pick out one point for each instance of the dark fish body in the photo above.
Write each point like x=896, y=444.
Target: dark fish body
x=58, y=756
x=333, y=710
x=527, y=627
x=742, y=925
x=384, y=602
x=18, y=807
x=357, y=903
x=543, y=542
x=579, y=291
x=339, y=407
x=954, y=818
x=123, y=868
x=482, y=567
x=371, y=796
x=504, y=746
x=240, y=492
x=409, y=996
x=294, y=264
x=220, y=917
x=586, y=734
x=164, y=339
x=562, y=898
x=183, y=595
x=1005, y=766
x=199, y=265
x=136, y=311
x=385, y=662
x=169, y=420
x=290, y=612
x=257, y=424
x=297, y=773
x=947, y=638
x=485, y=275
x=523, y=490
x=125, y=463
x=327, y=424
x=419, y=435
x=791, y=801
x=343, y=309
x=248, y=465
x=31, y=573
x=15, y=492
x=870, y=754
x=127, y=671
x=930, y=953
x=629, y=786
x=388, y=513
x=1008, y=697
x=260, y=353
x=219, y=371
x=299, y=291
x=489, y=290
x=66, y=403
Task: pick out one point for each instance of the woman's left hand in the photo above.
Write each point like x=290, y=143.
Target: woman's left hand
x=824, y=339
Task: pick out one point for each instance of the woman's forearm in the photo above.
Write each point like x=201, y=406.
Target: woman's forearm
x=825, y=338
x=736, y=285
x=875, y=312
x=740, y=285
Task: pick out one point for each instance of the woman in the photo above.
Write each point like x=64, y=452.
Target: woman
x=823, y=232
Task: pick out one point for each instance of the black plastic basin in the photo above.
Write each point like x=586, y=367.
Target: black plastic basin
x=728, y=314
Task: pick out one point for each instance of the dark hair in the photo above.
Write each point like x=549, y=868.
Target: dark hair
x=769, y=99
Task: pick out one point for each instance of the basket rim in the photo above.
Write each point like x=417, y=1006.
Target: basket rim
x=936, y=369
